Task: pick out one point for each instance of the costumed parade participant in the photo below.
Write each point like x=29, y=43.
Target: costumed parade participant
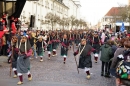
x=23, y=61
x=49, y=47
x=84, y=51
x=14, y=54
x=40, y=47
x=96, y=43
x=54, y=44
x=64, y=47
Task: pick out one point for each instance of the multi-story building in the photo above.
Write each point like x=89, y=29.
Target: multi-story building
x=113, y=20
x=40, y=8
x=37, y=10
x=74, y=8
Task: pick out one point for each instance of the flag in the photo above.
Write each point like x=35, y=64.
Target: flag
x=122, y=28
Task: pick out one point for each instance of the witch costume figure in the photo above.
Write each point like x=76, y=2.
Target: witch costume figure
x=64, y=47
x=96, y=43
x=49, y=47
x=14, y=53
x=40, y=47
x=23, y=61
x=84, y=51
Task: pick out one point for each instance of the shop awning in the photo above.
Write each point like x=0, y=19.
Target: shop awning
x=120, y=24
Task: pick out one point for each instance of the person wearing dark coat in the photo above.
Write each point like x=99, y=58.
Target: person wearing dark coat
x=49, y=46
x=96, y=43
x=54, y=44
x=14, y=53
x=106, y=51
x=64, y=47
x=84, y=51
x=122, y=51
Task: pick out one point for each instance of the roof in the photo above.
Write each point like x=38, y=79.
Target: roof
x=113, y=11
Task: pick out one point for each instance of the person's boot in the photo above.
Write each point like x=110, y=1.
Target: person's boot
x=49, y=55
x=29, y=77
x=88, y=75
x=107, y=75
x=64, y=60
x=15, y=74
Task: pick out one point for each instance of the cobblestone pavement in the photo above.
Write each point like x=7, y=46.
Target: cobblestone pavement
x=54, y=73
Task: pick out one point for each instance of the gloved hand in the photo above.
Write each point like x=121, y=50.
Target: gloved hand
x=75, y=54
x=25, y=56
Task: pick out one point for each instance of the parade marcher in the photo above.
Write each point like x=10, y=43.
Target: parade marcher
x=96, y=45
x=49, y=47
x=40, y=44
x=77, y=39
x=23, y=62
x=53, y=44
x=31, y=39
x=84, y=51
x=64, y=47
x=14, y=54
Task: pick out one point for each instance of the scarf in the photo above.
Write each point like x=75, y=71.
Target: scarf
x=24, y=45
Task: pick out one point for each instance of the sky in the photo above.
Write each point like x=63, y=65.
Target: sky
x=94, y=10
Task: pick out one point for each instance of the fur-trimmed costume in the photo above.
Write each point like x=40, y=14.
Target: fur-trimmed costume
x=23, y=61
x=64, y=48
x=85, y=61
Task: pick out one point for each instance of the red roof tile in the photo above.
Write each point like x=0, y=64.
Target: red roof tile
x=113, y=11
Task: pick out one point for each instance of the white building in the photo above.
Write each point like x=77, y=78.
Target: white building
x=74, y=8
x=39, y=9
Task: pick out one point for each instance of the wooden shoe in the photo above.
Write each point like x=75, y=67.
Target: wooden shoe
x=19, y=83
x=30, y=78
x=49, y=58
x=15, y=76
x=88, y=76
x=41, y=60
x=95, y=61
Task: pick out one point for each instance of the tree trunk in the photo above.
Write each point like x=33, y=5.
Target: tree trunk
x=52, y=26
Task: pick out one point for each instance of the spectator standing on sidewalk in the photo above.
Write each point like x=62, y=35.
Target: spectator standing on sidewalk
x=106, y=51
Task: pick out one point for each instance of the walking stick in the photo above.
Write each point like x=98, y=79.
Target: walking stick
x=75, y=60
x=76, y=64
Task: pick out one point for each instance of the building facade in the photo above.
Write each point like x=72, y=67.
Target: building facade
x=112, y=20
x=39, y=9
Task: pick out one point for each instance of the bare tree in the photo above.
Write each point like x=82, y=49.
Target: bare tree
x=76, y=22
x=72, y=19
x=52, y=19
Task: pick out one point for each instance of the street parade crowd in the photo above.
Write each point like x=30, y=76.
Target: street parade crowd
x=21, y=46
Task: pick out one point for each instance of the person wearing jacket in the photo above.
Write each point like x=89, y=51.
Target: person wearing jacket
x=115, y=61
x=85, y=61
x=106, y=51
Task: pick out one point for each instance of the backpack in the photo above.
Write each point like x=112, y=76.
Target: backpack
x=123, y=70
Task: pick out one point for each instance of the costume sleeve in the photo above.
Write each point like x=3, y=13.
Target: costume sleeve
x=29, y=53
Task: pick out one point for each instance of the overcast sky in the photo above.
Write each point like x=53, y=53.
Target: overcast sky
x=94, y=10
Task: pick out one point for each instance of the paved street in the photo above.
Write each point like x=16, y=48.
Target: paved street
x=54, y=73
